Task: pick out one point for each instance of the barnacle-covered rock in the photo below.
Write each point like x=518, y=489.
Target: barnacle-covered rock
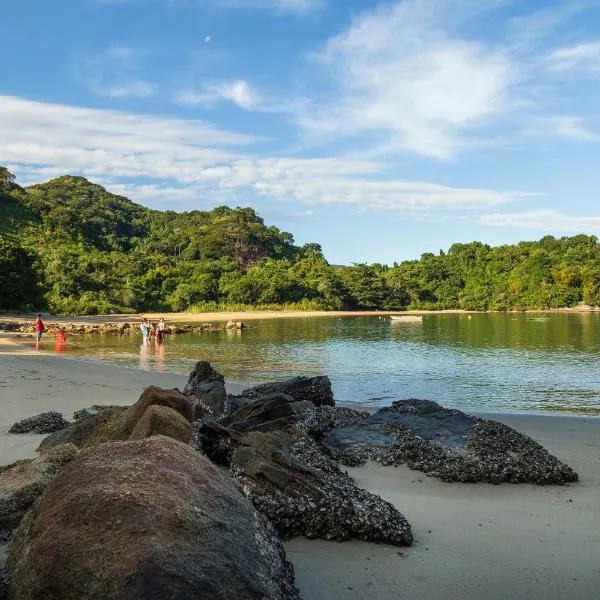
x=446, y=443
x=303, y=492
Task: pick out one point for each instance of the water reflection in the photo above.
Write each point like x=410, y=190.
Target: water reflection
x=489, y=361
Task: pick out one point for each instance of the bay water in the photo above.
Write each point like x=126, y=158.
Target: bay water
x=514, y=362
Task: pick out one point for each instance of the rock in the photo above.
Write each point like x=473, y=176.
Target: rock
x=162, y=420
x=206, y=388
x=314, y=389
x=217, y=439
x=146, y=519
x=316, y=421
x=3, y=583
x=47, y=422
x=79, y=433
x=302, y=492
x=22, y=482
x=233, y=402
x=235, y=325
x=153, y=395
x=92, y=410
x=446, y=443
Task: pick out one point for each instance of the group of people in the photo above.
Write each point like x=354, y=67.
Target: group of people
x=153, y=331
x=40, y=329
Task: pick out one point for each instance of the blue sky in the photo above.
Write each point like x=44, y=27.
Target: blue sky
x=379, y=130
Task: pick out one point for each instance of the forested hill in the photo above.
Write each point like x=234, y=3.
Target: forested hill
x=72, y=247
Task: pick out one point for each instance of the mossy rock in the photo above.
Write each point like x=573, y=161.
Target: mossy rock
x=162, y=420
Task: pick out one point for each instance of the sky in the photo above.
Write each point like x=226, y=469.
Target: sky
x=380, y=130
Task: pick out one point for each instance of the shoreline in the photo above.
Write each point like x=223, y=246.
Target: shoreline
x=199, y=317
x=477, y=541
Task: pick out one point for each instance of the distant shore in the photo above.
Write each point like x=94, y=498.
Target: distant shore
x=204, y=317
x=476, y=541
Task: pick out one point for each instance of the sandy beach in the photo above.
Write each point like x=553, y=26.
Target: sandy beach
x=473, y=541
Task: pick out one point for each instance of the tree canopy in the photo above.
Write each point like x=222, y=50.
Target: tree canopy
x=73, y=247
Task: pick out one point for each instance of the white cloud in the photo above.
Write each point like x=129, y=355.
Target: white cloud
x=572, y=127
x=239, y=92
x=578, y=57
x=207, y=39
x=547, y=220
x=157, y=158
x=112, y=73
x=399, y=75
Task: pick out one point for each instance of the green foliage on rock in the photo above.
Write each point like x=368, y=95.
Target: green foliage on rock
x=72, y=247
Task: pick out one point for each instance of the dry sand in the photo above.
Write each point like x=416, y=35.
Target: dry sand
x=473, y=541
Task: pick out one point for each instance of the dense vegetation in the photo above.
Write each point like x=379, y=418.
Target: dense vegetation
x=72, y=247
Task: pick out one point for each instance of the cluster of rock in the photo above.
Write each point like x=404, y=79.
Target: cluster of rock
x=134, y=502
x=448, y=444
x=118, y=328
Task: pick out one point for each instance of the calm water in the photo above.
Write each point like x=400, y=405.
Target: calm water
x=488, y=362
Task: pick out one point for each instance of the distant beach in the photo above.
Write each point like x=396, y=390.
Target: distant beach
x=475, y=541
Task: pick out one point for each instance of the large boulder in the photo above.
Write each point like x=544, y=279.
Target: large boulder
x=47, y=422
x=146, y=519
x=314, y=389
x=304, y=493
x=22, y=482
x=162, y=420
x=206, y=389
x=446, y=443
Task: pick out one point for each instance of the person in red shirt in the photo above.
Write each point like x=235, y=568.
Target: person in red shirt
x=39, y=329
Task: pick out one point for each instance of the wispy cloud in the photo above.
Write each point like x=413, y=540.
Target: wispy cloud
x=401, y=76
x=585, y=56
x=193, y=159
x=547, y=220
x=239, y=91
x=113, y=73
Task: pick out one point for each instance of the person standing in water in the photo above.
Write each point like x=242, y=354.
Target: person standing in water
x=145, y=329
x=39, y=329
x=162, y=329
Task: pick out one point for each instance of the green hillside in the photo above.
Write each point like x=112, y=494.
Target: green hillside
x=72, y=247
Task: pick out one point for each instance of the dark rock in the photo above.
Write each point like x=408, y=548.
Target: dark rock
x=206, y=389
x=233, y=402
x=147, y=519
x=3, y=583
x=316, y=421
x=303, y=492
x=22, y=482
x=446, y=443
x=162, y=420
x=313, y=389
x=47, y=422
x=79, y=433
x=217, y=439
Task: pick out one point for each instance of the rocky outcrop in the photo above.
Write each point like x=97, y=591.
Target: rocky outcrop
x=206, y=389
x=312, y=389
x=304, y=493
x=448, y=444
x=235, y=325
x=22, y=482
x=162, y=420
x=47, y=422
x=146, y=519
